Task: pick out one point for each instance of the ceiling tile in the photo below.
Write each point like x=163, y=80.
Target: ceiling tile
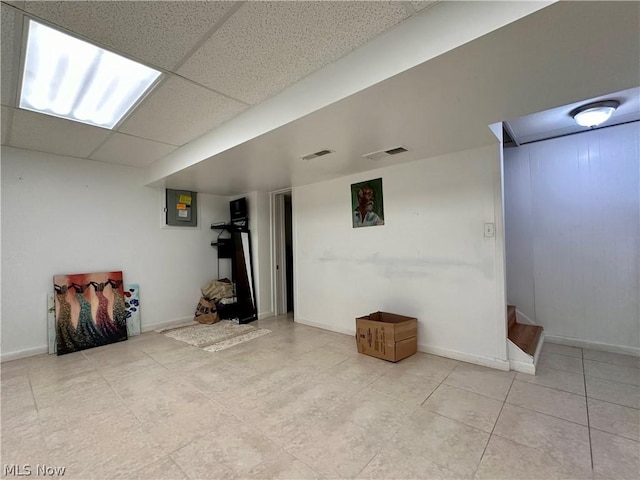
x=159, y=33
x=266, y=46
x=10, y=59
x=179, y=111
x=5, y=119
x=133, y=151
x=36, y=131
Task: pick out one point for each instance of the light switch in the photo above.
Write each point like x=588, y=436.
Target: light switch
x=489, y=230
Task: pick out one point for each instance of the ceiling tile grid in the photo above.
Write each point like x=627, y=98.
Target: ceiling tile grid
x=179, y=111
x=9, y=63
x=160, y=33
x=34, y=131
x=266, y=46
x=129, y=150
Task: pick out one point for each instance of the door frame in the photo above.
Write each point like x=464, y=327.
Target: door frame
x=278, y=252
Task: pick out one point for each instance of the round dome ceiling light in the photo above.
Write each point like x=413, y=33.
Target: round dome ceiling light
x=594, y=114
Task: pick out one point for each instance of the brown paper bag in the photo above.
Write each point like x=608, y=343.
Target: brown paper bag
x=206, y=312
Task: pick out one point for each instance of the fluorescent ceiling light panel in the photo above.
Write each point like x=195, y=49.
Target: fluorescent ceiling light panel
x=70, y=78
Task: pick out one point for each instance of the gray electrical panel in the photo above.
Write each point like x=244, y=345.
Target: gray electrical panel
x=182, y=208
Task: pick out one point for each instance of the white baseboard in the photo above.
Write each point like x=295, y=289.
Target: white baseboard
x=171, y=323
x=604, y=347
x=465, y=357
x=265, y=315
x=29, y=352
x=325, y=326
x=441, y=352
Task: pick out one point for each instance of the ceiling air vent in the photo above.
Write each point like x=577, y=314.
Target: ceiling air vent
x=321, y=153
x=384, y=153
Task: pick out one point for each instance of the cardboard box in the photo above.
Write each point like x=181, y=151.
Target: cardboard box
x=387, y=335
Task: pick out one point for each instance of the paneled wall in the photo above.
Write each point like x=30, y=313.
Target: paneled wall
x=572, y=220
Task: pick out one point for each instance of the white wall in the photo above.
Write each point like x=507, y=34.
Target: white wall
x=430, y=259
x=64, y=215
x=572, y=228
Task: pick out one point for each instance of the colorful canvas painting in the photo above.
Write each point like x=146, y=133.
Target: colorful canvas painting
x=366, y=203
x=90, y=310
x=132, y=302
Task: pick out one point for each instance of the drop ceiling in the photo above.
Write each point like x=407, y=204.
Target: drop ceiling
x=219, y=59
x=250, y=87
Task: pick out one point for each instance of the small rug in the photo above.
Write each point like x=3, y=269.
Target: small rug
x=216, y=337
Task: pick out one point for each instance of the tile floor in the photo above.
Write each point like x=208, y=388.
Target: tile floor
x=301, y=403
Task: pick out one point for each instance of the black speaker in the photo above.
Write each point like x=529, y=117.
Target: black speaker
x=238, y=209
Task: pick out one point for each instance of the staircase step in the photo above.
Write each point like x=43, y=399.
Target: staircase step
x=511, y=315
x=525, y=336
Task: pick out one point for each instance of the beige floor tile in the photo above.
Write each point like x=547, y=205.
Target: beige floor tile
x=110, y=448
x=361, y=370
x=156, y=398
x=613, y=392
x=561, y=362
x=286, y=377
x=343, y=344
x=282, y=466
x=23, y=442
x=614, y=358
x=116, y=354
x=182, y=425
x=78, y=403
x=425, y=366
x=615, y=457
x=615, y=419
x=185, y=359
x=56, y=383
x=393, y=463
x=326, y=390
x=15, y=368
x=558, y=349
x=566, y=442
x=549, y=401
x=446, y=442
x=608, y=371
x=144, y=367
x=558, y=379
x=484, y=381
x=467, y=407
x=258, y=361
x=379, y=414
x=320, y=359
x=163, y=469
x=506, y=460
x=231, y=451
x=280, y=416
x=404, y=386
x=222, y=377
x=334, y=448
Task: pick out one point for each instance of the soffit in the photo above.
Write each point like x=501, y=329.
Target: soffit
x=443, y=105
